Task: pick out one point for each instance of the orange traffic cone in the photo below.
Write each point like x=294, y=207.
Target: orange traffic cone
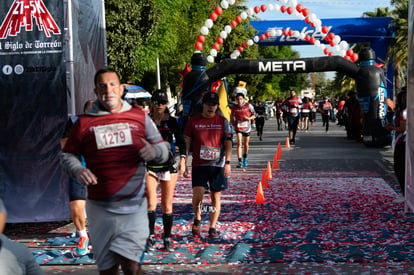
x=259, y=195
x=264, y=179
x=279, y=152
x=275, y=164
x=269, y=171
x=287, y=143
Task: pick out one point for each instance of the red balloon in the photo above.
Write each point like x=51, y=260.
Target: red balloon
x=312, y=25
x=289, y=10
x=198, y=46
x=305, y=12
x=325, y=29
x=256, y=9
x=290, y=33
x=285, y=32
x=216, y=46
x=263, y=8
x=233, y=23
x=201, y=38
x=326, y=51
x=332, y=43
x=267, y=34
x=262, y=37
x=307, y=37
x=244, y=45
x=331, y=35
x=330, y=54
x=239, y=19
x=312, y=40
x=347, y=57
x=240, y=48
x=299, y=7
x=349, y=52
x=218, y=10
x=354, y=57
x=213, y=16
x=307, y=20
x=220, y=40
x=283, y=8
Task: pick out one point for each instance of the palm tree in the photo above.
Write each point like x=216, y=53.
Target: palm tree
x=398, y=50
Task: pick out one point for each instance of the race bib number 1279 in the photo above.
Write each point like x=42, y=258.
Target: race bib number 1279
x=112, y=135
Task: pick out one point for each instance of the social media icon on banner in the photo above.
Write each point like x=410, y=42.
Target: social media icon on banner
x=18, y=69
x=7, y=69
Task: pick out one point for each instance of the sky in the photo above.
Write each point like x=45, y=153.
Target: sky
x=323, y=9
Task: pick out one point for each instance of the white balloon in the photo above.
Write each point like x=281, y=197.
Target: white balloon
x=224, y=4
x=277, y=7
x=237, y=53
x=337, y=39
x=302, y=36
x=270, y=7
x=337, y=48
x=273, y=32
x=250, y=11
x=312, y=17
x=293, y=3
x=243, y=15
x=322, y=46
x=295, y=34
x=231, y=2
x=210, y=59
x=283, y=1
x=296, y=13
x=204, y=30
x=256, y=39
x=227, y=28
x=343, y=45
x=209, y=23
x=342, y=53
x=317, y=43
x=213, y=52
x=223, y=34
x=250, y=42
x=318, y=22
x=233, y=56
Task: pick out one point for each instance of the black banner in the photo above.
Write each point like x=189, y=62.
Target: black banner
x=33, y=110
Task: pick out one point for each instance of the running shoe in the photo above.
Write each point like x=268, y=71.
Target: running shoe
x=196, y=230
x=212, y=233
x=240, y=165
x=151, y=243
x=168, y=245
x=245, y=162
x=82, y=248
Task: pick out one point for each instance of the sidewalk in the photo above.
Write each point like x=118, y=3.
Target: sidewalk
x=297, y=230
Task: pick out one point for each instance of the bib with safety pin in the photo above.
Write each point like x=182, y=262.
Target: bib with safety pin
x=209, y=153
x=112, y=135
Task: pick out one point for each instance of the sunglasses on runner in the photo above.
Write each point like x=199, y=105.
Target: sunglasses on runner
x=159, y=102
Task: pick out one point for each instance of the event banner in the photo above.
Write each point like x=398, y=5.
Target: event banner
x=33, y=108
x=409, y=186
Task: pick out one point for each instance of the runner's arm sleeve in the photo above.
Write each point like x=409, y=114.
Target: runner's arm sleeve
x=71, y=164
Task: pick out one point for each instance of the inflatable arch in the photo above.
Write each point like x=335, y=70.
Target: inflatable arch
x=370, y=82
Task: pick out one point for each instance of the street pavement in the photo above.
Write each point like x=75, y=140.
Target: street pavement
x=315, y=150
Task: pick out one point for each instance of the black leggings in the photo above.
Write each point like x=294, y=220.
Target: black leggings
x=399, y=164
x=259, y=125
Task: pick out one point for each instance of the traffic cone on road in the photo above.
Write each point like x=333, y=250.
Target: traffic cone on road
x=279, y=152
x=287, y=143
x=275, y=164
x=259, y=194
x=269, y=171
x=264, y=179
